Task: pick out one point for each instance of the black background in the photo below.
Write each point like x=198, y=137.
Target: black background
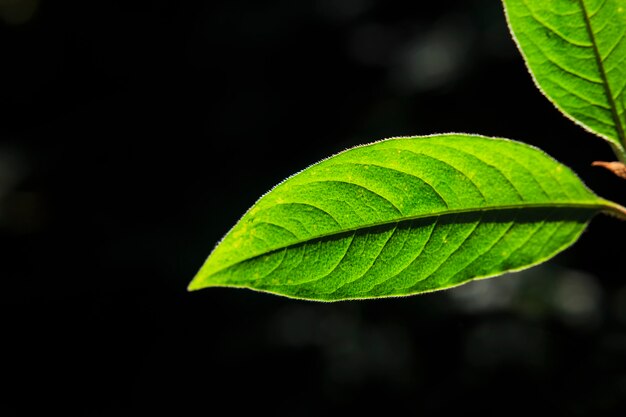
x=133, y=135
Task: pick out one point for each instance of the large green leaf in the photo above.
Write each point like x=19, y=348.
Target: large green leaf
x=404, y=216
x=576, y=52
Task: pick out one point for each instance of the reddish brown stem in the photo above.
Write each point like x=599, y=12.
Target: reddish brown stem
x=617, y=168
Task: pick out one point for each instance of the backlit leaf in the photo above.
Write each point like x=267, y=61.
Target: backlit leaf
x=576, y=53
x=404, y=216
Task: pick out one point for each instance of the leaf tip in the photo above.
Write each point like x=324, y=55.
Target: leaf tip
x=195, y=284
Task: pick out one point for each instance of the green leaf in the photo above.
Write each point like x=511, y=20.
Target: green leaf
x=404, y=216
x=576, y=53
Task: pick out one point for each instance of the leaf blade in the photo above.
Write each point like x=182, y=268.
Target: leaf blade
x=403, y=216
x=576, y=53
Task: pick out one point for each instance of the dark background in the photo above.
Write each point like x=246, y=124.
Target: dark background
x=133, y=135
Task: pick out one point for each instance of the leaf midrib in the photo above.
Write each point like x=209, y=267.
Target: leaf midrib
x=606, y=206
x=605, y=81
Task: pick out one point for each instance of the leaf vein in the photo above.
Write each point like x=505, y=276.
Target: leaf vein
x=507, y=179
x=485, y=252
x=454, y=168
x=433, y=227
x=362, y=187
x=368, y=269
x=443, y=200
x=532, y=14
x=605, y=82
x=459, y=247
x=278, y=226
x=337, y=265
x=312, y=206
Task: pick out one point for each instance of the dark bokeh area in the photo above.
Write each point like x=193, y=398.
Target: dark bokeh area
x=133, y=135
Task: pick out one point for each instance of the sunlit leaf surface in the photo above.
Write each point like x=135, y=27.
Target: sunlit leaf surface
x=404, y=216
x=576, y=52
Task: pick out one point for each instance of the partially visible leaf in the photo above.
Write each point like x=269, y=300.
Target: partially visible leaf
x=404, y=216
x=576, y=53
